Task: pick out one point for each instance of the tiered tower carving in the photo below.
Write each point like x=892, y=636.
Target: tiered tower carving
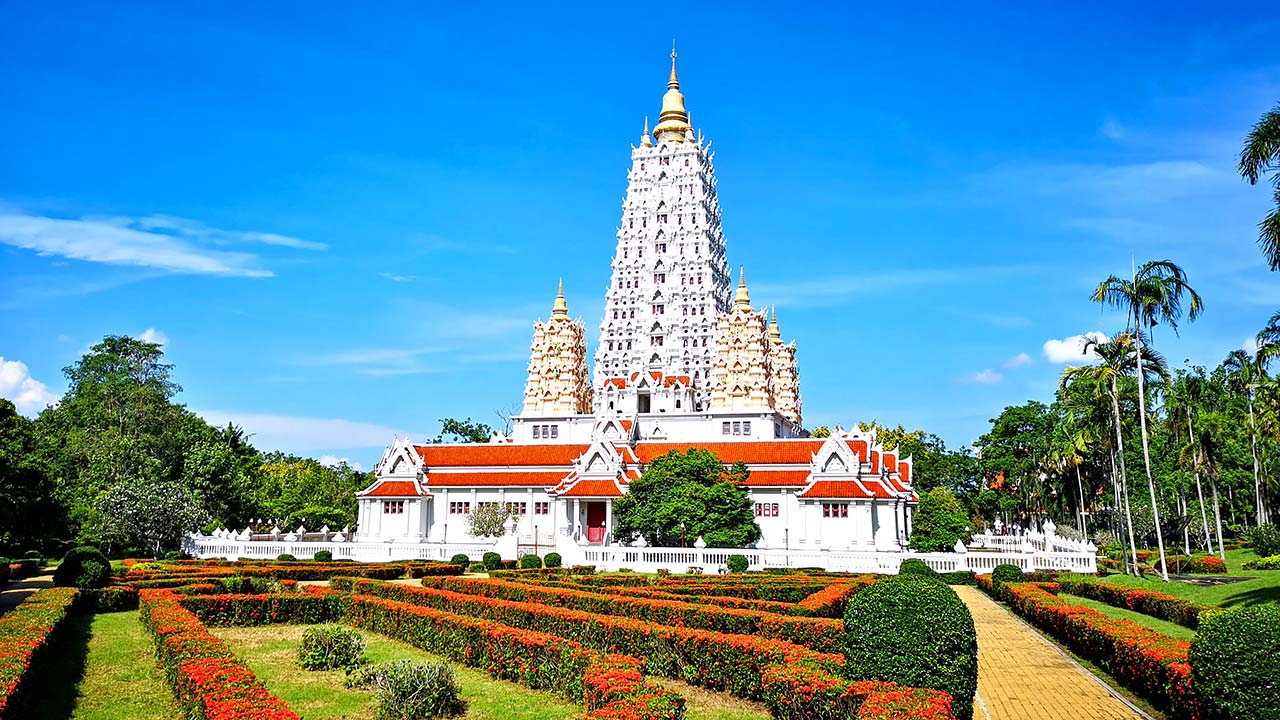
x=740, y=377
x=784, y=374
x=670, y=275
x=558, y=382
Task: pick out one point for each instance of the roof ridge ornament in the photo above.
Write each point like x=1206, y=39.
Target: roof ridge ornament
x=742, y=301
x=560, y=310
x=673, y=122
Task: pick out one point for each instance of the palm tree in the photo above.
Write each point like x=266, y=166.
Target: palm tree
x=1153, y=295
x=1245, y=374
x=1261, y=154
x=1186, y=396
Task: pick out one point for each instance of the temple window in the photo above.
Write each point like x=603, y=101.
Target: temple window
x=459, y=508
x=660, y=277
x=542, y=508
x=737, y=428
x=724, y=428
x=537, y=431
x=835, y=510
x=555, y=431
x=392, y=507
x=746, y=428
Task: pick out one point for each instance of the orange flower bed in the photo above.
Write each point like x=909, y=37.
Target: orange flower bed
x=25, y=632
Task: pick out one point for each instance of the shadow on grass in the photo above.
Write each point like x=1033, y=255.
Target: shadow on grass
x=1257, y=596
x=50, y=691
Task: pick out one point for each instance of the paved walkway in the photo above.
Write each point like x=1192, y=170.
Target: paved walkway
x=15, y=592
x=1022, y=677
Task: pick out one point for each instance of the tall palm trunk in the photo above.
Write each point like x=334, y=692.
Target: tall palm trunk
x=1119, y=531
x=1195, y=472
x=1084, y=529
x=1146, y=452
x=1217, y=518
x=1124, y=480
x=1257, y=467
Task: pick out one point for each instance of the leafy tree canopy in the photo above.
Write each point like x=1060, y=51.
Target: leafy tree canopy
x=693, y=488
x=463, y=431
x=939, y=521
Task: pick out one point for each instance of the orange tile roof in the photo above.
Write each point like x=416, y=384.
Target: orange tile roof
x=593, y=488
x=904, y=470
x=395, y=488
x=778, y=478
x=494, y=479
x=843, y=489
x=752, y=452
x=859, y=447
x=486, y=454
x=616, y=382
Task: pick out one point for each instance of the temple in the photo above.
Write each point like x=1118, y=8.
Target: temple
x=684, y=360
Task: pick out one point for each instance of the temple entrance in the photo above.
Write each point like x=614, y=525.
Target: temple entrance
x=643, y=401
x=595, y=523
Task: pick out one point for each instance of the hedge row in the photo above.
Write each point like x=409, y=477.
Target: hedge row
x=291, y=571
x=1267, y=563
x=207, y=679
x=773, y=606
x=822, y=634
x=780, y=591
x=718, y=661
x=609, y=685
x=805, y=692
x=1154, y=666
x=24, y=633
x=311, y=608
x=831, y=601
x=1195, y=564
x=1148, y=602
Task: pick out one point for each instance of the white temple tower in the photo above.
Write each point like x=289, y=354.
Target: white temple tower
x=670, y=275
x=740, y=378
x=557, y=383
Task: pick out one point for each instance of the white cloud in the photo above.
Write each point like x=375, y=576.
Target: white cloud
x=838, y=289
x=984, y=377
x=1250, y=344
x=28, y=394
x=153, y=335
x=1018, y=361
x=393, y=277
x=1071, y=349
x=303, y=434
x=1112, y=130
x=335, y=461
x=161, y=242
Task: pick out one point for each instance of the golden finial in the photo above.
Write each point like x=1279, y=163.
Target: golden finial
x=775, y=333
x=560, y=311
x=673, y=123
x=742, y=301
x=645, y=140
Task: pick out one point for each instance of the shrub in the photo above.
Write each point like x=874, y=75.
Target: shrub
x=330, y=647
x=530, y=562
x=1235, y=660
x=25, y=633
x=917, y=632
x=1266, y=563
x=552, y=560
x=72, y=572
x=477, y=568
x=737, y=563
x=1265, y=540
x=492, y=561
x=1005, y=574
x=414, y=691
x=460, y=559
x=285, y=557
x=173, y=555
x=916, y=566
x=323, y=556
x=959, y=577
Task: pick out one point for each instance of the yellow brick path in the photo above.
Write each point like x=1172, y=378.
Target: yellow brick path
x=1022, y=677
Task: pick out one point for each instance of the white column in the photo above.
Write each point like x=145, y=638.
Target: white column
x=575, y=522
x=608, y=520
x=817, y=523
x=444, y=504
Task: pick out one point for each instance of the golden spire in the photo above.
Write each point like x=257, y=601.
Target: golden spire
x=644, y=137
x=673, y=123
x=742, y=301
x=560, y=311
x=775, y=333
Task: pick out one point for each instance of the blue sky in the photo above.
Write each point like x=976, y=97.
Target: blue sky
x=343, y=221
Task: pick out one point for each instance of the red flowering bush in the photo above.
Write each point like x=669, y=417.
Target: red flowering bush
x=309, y=608
x=832, y=600
x=1148, y=602
x=1153, y=665
x=805, y=692
x=25, y=632
x=207, y=679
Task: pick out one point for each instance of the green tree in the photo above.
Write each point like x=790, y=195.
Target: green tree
x=821, y=432
x=1261, y=155
x=463, y=431
x=149, y=515
x=1153, y=295
x=300, y=491
x=939, y=521
x=488, y=520
x=687, y=496
x=28, y=512
x=1245, y=374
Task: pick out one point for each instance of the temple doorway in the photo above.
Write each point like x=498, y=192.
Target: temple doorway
x=595, y=522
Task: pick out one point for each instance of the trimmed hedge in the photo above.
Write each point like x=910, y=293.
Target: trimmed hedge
x=737, y=563
x=1005, y=574
x=1148, y=602
x=330, y=647
x=1267, y=563
x=492, y=561
x=916, y=566
x=25, y=632
x=207, y=679
x=530, y=562
x=1235, y=662
x=915, y=631
x=323, y=556
x=310, y=608
x=805, y=692
x=83, y=567
x=552, y=560
x=461, y=560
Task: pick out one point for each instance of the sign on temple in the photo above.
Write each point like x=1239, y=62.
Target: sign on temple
x=683, y=361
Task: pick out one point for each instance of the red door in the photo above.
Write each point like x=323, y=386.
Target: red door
x=595, y=522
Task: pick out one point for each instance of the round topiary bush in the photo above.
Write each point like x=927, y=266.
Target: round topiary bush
x=477, y=568
x=173, y=555
x=412, y=691
x=1005, y=574
x=1235, y=660
x=330, y=647
x=916, y=566
x=1265, y=540
x=460, y=559
x=530, y=562
x=285, y=557
x=915, y=631
x=323, y=556
x=72, y=571
x=736, y=563
x=552, y=560
x=492, y=561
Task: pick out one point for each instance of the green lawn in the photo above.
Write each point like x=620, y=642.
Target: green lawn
x=101, y=668
x=1264, y=587
x=1163, y=627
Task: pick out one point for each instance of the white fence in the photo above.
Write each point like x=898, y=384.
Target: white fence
x=677, y=560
